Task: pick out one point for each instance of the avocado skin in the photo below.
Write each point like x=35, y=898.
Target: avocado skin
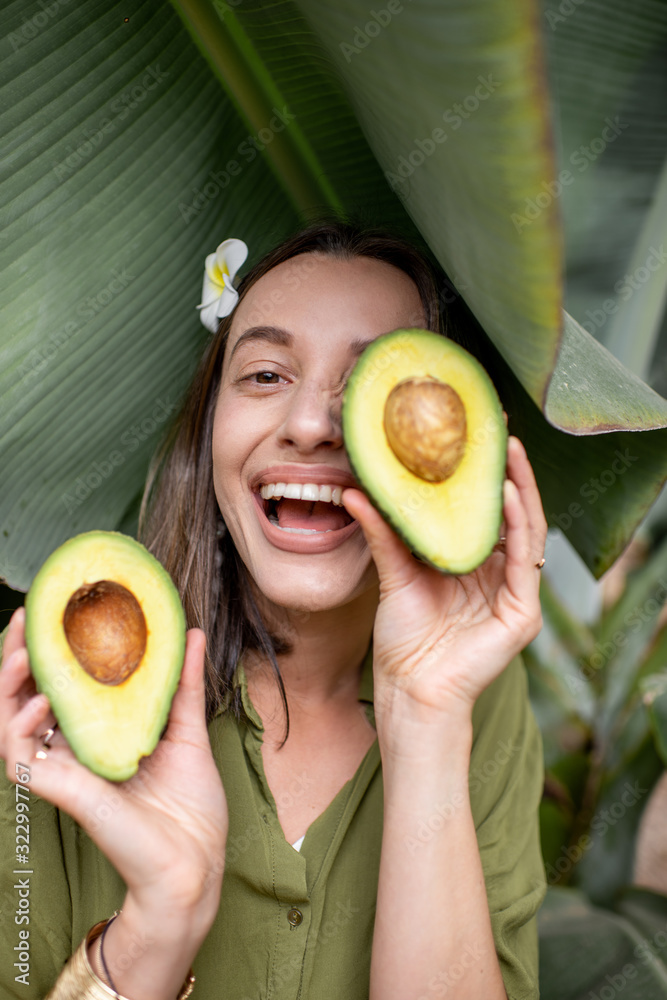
x=388, y=360
x=109, y=728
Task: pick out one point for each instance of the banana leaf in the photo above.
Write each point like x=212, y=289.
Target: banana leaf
x=614, y=146
x=135, y=141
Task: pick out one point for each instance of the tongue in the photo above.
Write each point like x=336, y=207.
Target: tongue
x=315, y=515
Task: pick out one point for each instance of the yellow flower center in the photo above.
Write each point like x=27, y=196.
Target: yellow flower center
x=218, y=274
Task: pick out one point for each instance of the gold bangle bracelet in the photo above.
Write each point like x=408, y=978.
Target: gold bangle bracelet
x=77, y=981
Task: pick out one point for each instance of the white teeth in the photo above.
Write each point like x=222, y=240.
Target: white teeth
x=306, y=531
x=302, y=491
x=298, y=531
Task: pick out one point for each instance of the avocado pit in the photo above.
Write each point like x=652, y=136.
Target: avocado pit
x=425, y=424
x=106, y=630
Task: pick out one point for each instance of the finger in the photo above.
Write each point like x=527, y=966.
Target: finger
x=520, y=471
x=520, y=574
x=21, y=733
x=16, y=687
x=391, y=556
x=14, y=674
x=16, y=683
x=15, y=637
x=55, y=774
x=187, y=718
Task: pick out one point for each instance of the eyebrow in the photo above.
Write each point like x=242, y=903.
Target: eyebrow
x=277, y=335
x=272, y=334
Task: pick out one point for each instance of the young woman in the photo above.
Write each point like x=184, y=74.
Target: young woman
x=344, y=802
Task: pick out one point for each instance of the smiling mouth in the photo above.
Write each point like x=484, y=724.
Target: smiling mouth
x=304, y=508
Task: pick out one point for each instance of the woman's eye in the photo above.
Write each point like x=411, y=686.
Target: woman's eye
x=266, y=378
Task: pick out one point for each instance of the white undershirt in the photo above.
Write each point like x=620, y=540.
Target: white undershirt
x=297, y=843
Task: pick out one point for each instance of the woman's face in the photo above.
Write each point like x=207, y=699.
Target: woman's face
x=293, y=342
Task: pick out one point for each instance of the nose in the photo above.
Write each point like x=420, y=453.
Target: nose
x=312, y=420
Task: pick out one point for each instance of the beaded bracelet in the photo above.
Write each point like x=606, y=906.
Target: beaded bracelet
x=78, y=979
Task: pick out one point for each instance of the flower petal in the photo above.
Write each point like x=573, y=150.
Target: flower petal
x=208, y=317
x=219, y=296
x=212, y=312
x=211, y=290
x=227, y=300
x=230, y=256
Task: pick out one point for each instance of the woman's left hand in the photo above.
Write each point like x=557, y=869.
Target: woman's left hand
x=439, y=640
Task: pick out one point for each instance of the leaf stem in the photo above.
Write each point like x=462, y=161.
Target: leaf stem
x=238, y=66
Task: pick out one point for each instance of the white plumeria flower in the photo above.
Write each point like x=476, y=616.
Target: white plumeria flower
x=218, y=293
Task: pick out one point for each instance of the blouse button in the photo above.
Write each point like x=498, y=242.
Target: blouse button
x=295, y=916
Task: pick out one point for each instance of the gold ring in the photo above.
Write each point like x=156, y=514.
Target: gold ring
x=46, y=742
x=541, y=563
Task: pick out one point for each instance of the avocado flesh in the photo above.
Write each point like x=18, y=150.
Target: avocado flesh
x=108, y=726
x=454, y=524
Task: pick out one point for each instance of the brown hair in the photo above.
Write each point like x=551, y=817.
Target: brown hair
x=180, y=521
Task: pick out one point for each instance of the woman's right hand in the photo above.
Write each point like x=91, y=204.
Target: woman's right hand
x=165, y=831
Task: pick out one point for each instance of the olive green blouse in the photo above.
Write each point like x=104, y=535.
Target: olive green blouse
x=292, y=924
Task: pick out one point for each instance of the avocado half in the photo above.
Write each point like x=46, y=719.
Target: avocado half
x=105, y=632
x=426, y=437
